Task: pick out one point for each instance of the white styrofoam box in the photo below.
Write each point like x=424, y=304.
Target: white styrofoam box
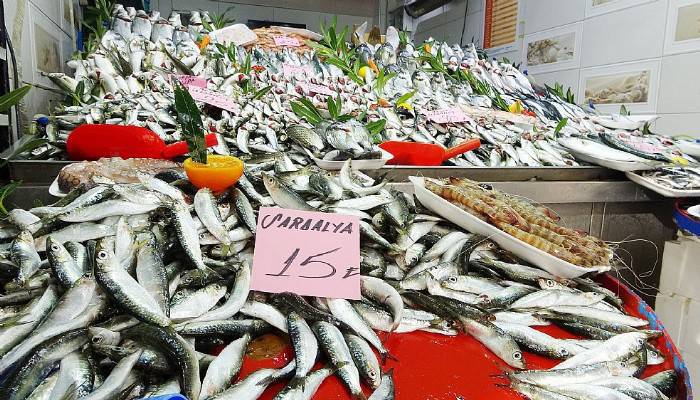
x=546, y=14
x=671, y=267
x=672, y=311
x=679, y=124
x=689, y=277
x=203, y=5
x=567, y=39
x=620, y=37
x=682, y=10
x=679, y=91
x=309, y=18
x=474, y=28
x=692, y=362
x=617, y=77
x=568, y=78
x=690, y=338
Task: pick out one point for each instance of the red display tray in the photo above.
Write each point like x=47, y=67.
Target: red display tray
x=436, y=367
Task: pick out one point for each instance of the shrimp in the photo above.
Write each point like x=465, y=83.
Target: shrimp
x=452, y=194
x=589, y=255
x=542, y=244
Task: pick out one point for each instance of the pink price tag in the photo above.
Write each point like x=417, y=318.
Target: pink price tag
x=308, y=253
x=320, y=89
x=211, y=97
x=289, y=70
x=286, y=41
x=642, y=146
x=189, y=80
x=447, y=115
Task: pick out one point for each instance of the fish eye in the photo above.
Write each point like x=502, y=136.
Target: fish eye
x=453, y=279
x=96, y=339
x=550, y=282
x=102, y=255
x=372, y=374
x=517, y=355
x=54, y=247
x=563, y=352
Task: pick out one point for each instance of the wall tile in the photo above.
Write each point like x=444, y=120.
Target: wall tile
x=205, y=5
x=679, y=124
x=476, y=5
x=620, y=37
x=308, y=18
x=679, y=89
x=475, y=28
x=545, y=14
x=455, y=10
x=244, y=12
x=569, y=78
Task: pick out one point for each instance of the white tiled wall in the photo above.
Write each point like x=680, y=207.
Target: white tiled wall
x=20, y=18
x=627, y=31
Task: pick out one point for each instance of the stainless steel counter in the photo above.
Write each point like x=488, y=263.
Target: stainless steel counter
x=594, y=199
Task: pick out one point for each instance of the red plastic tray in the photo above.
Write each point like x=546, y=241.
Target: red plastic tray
x=436, y=367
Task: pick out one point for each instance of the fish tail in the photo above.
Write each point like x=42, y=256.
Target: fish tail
x=388, y=355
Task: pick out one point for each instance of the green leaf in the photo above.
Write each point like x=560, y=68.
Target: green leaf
x=25, y=144
x=562, y=123
x=311, y=107
x=623, y=110
x=190, y=119
x=332, y=110
x=375, y=129
x=12, y=98
x=302, y=112
x=4, y=192
x=344, y=118
x=405, y=97
x=260, y=93
x=178, y=64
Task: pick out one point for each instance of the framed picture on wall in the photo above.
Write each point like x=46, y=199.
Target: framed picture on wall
x=554, y=49
x=599, y=7
x=502, y=27
x=683, y=26
x=633, y=84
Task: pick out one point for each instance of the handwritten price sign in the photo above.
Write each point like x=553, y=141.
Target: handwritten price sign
x=308, y=253
x=289, y=70
x=211, y=97
x=313, y=88
x=447, y=115
x=286, y=41
x=189, y=80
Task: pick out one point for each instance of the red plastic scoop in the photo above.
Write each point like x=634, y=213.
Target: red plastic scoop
x=410, y=153
x=94, y=141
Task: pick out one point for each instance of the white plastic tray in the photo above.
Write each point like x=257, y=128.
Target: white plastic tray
x=356, y=164
x=624, y=166
x=531, y=254
x=659, y=188
x=55, y=191
x=626, y=122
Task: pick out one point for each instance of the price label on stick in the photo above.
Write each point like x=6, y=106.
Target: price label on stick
x=288, y=69
x=286, y=41
x=308, y=253
x=211, y=97
x=190, y=80
x=447, y=115
x=313, y=88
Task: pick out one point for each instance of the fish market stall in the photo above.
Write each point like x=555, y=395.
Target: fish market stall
x=130, y=271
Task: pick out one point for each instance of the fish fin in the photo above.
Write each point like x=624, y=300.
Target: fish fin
x=388, y=355
x=298, y=382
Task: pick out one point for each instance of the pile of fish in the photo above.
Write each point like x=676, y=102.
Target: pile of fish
x=119, y=291
x=678, y=178
x=535, y=225
x=126, y=79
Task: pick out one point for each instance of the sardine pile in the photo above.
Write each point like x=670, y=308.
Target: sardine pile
x=118, y=292
x=126, y=80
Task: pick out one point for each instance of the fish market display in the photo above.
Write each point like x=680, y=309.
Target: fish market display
x=679, y=178
x=328, y=99
x=120, y=291
x=266, y=39
x=114, y=169
x=535, y=225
